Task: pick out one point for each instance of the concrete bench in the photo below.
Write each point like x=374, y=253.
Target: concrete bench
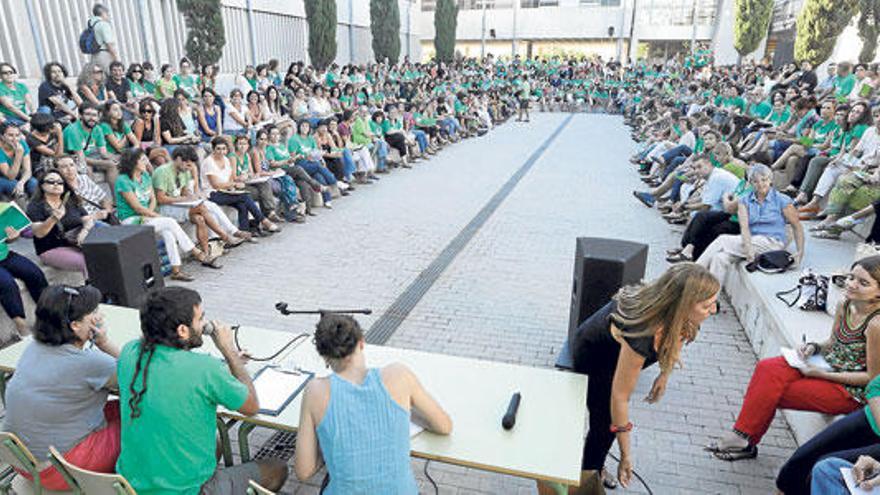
x=770, y=324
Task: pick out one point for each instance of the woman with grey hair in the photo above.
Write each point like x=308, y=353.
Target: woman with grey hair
x=762, y=215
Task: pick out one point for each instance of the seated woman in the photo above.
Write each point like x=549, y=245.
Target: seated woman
x=58, y=395
x=236, y=120
x=304, y=150
x=146, y=127
x=271, y=154
x=274, y=112
x=356, y=421
x=15, y=266
x=174, y=182
x=814, y=140
x=136, y=204
x=259, y=118
x=261, y=192
x=174, y=131
x=762, y=214
x=15, y=163
x=90, y=85
x=117, y=133
x=643, y=324
x=209, y=115
x=852, y=388
x=338, y=160
x=827, y=478
x=46, y=141
x=776, y=385
x=60, y=224
x=16, y=105
x=92, y=196
x=358, y=156
x=319, y=106
x=222, y=187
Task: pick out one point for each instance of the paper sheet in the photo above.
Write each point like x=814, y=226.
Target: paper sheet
x=274, y=387
x=260, y=180
x=795, y=361
x=189, y=203
x=851, y=483
x=414, y=429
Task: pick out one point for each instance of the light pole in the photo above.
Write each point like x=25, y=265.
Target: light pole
x=483, y=32
x=694, y=30
x=513, y=37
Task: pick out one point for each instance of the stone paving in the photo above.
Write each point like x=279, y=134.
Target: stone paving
x=505, y=296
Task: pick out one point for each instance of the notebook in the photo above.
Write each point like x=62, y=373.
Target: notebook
x=277, y=387
x=12, y=216
x=850, y=481
x=795, y=361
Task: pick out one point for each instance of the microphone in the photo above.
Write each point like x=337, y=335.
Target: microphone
x=510, y=416
x=208, y=328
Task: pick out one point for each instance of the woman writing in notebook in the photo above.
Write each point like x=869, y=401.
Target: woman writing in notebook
x=853, y=353
x=357, y=419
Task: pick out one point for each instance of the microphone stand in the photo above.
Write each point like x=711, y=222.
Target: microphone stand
x=282, y=308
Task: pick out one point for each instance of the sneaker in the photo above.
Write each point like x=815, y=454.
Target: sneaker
x=328, y=205
x=647, y=199
x=342, y=185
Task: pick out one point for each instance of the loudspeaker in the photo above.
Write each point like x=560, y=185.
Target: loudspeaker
x=601, y=268
x=123, y=263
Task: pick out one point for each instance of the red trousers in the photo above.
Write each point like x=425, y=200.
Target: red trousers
x=776, y=385
x=97, y=452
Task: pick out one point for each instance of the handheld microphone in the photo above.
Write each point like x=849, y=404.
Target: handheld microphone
x=208, y=328
x=510, y=416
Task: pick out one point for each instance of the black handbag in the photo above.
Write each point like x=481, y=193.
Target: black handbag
x=772, y=262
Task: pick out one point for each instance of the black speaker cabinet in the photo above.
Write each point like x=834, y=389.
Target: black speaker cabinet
x=123, y=263
x=601, y=267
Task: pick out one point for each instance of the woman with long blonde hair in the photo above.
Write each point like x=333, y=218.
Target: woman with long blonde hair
x=643, y=324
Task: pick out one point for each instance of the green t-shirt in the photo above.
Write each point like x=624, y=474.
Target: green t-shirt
x=168, y=180
x=822, y=130
x=17, y=94
x=779, y=118
x=188, y=83
x=760, y=110
x=844, y=86
x=872, y=391
x=242, y=166
x=377, y=129
x=105, y=130
x=277, y=153
x=165, y=88
x=302, y=145
x=736, y=102
x=388, y=126
x=141, y=190
x=170, y=447
x=359, y=131
x=139, y=90
x=4, y=158
x=76, y=138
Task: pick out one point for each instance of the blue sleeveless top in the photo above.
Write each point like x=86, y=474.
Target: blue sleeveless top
x=364, y=438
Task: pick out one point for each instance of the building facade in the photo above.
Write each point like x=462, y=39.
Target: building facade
x=33, y=32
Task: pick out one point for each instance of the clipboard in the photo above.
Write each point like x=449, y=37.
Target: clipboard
x=279, y=387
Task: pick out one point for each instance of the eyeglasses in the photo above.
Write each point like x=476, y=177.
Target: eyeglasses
x=137, y=71
x=54, y=182
x=6, y=73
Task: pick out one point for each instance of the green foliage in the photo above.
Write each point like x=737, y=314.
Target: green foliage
x=869, y=28
x=385, y=27
x=751, y=21
x=321, y=16
x=818, y=26
x=205, y=37
x=445, y=23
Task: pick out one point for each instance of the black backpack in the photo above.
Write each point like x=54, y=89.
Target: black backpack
x=88, y=42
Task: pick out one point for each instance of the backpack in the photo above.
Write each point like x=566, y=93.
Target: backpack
x=88, y=42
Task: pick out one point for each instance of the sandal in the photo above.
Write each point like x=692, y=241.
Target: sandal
x=733, y=453
x=677, y=220
x=608, y=479
x=211, y=262
x=827, y=234
x=181, y=276
x=678, y=257
x=233, y=242
x=674, y=251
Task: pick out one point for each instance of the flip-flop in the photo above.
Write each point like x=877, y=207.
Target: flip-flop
x=678, y=258
x=674, y=251
x=734, y=454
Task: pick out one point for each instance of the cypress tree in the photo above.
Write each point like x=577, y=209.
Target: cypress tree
x=205, y=37
x=869, y=28
x=818, y=26
x=385, y=27
x=751, y=21
x=445, y=22
x=321, y=17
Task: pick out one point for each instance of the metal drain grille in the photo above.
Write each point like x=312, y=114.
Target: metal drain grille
x=281, y=445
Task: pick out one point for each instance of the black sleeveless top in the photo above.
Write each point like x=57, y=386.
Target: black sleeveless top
x=595, y=351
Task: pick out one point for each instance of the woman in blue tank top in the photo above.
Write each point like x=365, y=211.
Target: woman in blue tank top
x=357, y=419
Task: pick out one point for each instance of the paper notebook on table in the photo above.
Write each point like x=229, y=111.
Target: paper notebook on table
x=851, y=483
x=12, y=216
x=795, y=361
x=277, y=387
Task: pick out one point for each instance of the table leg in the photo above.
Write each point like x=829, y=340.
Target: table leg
x=243, y=447
x=225, y=444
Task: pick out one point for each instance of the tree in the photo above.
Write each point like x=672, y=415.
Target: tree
x=869, y=28
x=205, y=37
x=445, y=22
x=321, y=16
x=751, y=21
x=385, y=27
x=818, y=26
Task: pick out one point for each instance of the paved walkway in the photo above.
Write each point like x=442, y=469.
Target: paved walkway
x=505, y=295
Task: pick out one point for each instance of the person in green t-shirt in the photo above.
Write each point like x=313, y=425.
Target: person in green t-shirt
x=15, y=266
x=15, y=102
x=85, y=140
x=117, y=133
x=169, y=427
x=186, y=80
x=304, y=150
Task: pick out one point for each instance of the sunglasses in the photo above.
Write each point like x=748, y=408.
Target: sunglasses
x=6, y=73
x=54, y=182
x=137, y=71
x=149, y=110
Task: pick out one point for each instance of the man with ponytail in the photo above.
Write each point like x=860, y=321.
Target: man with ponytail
x=169, y=398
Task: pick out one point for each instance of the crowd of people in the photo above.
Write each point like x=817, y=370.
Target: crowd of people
x=739, y=155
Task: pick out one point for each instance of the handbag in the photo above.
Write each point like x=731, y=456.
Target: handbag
x=811, y=292
x=772, y=262
x=111, y=219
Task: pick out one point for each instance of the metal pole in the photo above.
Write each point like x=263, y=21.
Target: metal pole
x=252, y=31
x=694, y=30
x=143, y=23
x=408, y=28
x=632, y=28
x=35, y=32
x=351, y=31
x=483, y=33
x=513, y=37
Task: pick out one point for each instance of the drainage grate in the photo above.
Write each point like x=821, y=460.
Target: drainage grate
x=281, y=445
x=388, y=323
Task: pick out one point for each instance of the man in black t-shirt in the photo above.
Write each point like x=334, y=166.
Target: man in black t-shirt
x=121, y=88
x=55, y=96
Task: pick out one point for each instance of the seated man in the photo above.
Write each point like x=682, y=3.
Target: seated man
x=169, y=431
x=828, y=480
x=58, y=395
